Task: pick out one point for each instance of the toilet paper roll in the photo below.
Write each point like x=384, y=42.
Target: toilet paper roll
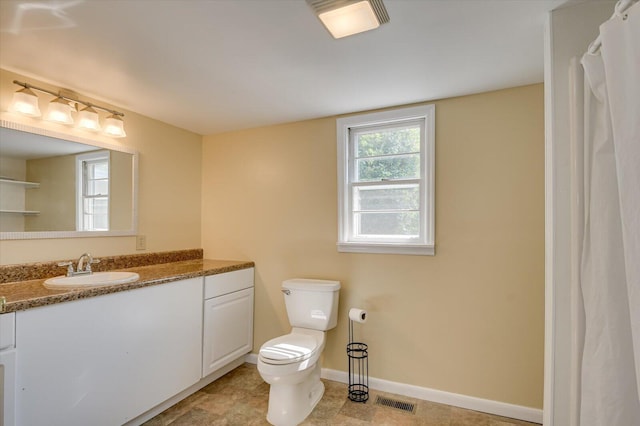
x=358, y=315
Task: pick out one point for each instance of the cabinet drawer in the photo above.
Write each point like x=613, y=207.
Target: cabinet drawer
x=7, y=331
x=217, y=285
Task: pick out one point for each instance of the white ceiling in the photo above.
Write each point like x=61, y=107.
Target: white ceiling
x=211, y=66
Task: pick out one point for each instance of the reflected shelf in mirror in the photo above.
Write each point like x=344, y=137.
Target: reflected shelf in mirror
x=27, y=185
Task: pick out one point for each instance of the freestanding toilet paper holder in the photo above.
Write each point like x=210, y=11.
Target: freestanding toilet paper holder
x=358, y=368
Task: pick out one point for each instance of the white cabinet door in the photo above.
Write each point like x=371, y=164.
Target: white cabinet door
x=105, y=360
x=7, y=369
x=7, y=387
x=228, y=329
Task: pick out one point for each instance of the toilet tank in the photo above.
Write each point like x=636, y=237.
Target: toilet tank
x=312, y=304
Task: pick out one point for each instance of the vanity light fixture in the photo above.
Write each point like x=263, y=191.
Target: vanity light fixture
x=59, y=111
x=343, y=18
x=114, y=126
x=26, y=102
x=88, y=119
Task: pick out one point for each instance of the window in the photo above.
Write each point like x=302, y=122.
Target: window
x=92, y=189
x=386, y=181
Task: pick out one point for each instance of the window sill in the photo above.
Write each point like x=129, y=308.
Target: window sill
x=389, y=248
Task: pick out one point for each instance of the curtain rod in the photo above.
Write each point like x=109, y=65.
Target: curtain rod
x=620, y=8
x=67, y=97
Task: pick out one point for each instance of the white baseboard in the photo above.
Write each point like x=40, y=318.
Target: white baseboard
x=463, y=401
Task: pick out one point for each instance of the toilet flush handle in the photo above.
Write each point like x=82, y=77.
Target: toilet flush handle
x=286, y=291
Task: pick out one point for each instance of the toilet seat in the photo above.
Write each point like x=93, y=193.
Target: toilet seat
x=289, y=349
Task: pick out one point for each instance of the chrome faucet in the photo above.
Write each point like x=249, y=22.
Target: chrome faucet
x=81, y=264
x=85, y=268
x=84, y=265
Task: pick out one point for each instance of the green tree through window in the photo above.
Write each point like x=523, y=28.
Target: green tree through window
x=388, y=154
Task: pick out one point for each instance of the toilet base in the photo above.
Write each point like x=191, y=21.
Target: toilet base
x=289, y=405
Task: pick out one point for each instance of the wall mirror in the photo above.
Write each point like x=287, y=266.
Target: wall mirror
x=54, y=185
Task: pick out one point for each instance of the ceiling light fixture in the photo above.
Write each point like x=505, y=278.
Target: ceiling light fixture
x=343, y=18
x=26, y=102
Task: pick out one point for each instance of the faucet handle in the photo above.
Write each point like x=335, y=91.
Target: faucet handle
x=91, y=261
x=69, y=266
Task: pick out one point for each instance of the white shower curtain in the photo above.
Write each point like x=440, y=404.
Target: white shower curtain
x=610, y=269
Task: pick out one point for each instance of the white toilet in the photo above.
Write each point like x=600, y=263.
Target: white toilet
x=291, y=363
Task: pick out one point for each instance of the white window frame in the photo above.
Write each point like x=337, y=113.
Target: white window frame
x=425, y=243
x=80, y=182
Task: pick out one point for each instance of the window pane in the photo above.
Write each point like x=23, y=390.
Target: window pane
x=100, y=223
x=399, y=140
x=405, y=224
x=401, y=197
x=91, y=207
x=100, y=206
x=405, y=166
x=96, y=214
x=97, y=187
x=98, y=170
x=96, y=223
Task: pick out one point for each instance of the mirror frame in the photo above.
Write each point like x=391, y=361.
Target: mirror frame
x=99, y=144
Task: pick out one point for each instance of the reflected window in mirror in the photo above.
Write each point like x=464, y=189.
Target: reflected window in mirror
x=92, y=187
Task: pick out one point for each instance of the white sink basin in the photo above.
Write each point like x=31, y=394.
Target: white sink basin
x=91, y=280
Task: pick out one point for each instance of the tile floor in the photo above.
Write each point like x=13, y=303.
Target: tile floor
x=241, y=398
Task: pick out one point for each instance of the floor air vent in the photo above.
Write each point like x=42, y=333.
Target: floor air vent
x=407, y=407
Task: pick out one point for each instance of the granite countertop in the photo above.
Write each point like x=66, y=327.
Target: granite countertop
x=26, y=294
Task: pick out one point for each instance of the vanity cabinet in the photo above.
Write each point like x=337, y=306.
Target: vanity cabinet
x=7, y=369
x=228, y=318
x=105, y=360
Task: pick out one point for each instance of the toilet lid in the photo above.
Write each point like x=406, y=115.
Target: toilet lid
x=288, y=349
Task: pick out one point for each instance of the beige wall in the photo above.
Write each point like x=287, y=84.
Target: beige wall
x=468, y=320
x=55, y=199
x=169, y=186
x=120, y=200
